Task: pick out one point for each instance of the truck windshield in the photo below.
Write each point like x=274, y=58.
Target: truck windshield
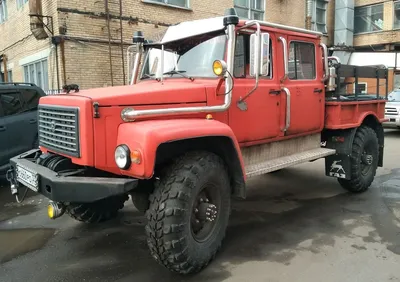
x=394, y=96
x=194, y=60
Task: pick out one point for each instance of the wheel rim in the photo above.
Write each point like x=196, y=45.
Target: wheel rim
x=205, y=213
x=367, y=159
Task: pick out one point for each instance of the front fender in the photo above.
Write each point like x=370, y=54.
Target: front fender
x=147, y=136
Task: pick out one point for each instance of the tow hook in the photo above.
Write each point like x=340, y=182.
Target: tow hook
x=55, y=210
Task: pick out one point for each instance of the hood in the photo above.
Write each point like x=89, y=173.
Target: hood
x=151, y=92
x=392, y=104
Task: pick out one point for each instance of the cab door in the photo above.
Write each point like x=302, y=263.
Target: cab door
x=305, y=84
x=258, y=117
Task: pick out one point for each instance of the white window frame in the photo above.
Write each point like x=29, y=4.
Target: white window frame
x=166, y=3
x=27, y=74
x=370, y=6
x=361, y=83
x=314, y=23
x=21, y=3
x=3, y=11
x=251, y=10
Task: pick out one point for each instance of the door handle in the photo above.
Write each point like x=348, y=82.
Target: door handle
x=32, y=121
x=275, y=92
x=3, y=128
x=287, y=124
x=318, y=90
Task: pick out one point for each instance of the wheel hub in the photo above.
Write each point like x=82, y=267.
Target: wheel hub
x=207, y=212
x=367, y=159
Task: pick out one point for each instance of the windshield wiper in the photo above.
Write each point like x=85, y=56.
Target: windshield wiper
x=182, y=73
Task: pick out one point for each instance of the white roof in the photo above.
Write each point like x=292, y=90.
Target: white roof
x=192, y=28
x=375, y=58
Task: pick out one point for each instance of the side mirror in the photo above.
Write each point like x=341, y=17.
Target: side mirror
x=259, y=55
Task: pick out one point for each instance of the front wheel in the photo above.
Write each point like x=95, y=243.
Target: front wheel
x=364, y=161
x=99, y=211
x=189, y=212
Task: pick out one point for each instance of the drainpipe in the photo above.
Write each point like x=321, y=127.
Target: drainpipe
x=309, y=14
x=5, y=68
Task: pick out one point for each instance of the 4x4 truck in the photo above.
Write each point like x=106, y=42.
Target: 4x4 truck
x=210, y=105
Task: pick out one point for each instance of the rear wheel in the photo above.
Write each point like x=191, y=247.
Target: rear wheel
x=98, y=211
x=189, y=212
x=364, y=160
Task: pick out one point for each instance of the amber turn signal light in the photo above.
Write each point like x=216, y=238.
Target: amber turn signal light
x=136, y=157
x=219, y=67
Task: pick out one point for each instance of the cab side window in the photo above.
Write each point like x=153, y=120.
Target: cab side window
x=11, y=103
x=242, y=57
x=301, y=61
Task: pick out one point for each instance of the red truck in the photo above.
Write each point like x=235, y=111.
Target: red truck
x=210, y=105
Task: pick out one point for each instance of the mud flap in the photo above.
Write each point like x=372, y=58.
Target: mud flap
x=339, y=165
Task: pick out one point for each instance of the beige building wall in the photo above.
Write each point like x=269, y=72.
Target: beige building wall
x=19, y=45
x=388, y=35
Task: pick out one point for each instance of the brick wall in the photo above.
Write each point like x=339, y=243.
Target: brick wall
x=17, y=42
x=84, y=25
x=88, y=63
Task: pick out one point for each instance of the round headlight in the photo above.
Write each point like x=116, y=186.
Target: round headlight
x=122, y=157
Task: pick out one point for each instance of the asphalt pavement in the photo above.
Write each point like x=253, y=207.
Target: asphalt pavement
x=296, y=225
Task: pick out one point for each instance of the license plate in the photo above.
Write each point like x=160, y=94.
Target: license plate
x=27, y=177
x=392, y=120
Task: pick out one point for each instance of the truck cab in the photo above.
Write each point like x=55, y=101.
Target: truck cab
x=211, y=104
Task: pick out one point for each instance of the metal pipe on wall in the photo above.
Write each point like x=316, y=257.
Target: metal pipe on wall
x=109, y=40
x=309, y=14
x=62, y=47
x=122, y=41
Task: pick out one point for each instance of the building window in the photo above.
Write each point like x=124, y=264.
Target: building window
x=301, y=61
x=250, y=9
x=362, y=88
x=319, y=15
x=368, y=18
x=3, y=78
x=3, y=11
x=396, y=9
x=20, y=3
x=178, y=3
x=37, y=73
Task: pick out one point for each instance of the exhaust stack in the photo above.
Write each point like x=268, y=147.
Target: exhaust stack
x=36, y=19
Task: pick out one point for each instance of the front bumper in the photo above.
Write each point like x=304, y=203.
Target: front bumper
x=74, y=189
x=392, y=121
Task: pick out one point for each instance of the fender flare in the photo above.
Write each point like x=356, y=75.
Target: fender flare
x=147, y=136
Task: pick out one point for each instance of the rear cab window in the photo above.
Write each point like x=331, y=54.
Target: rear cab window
x=302, y=61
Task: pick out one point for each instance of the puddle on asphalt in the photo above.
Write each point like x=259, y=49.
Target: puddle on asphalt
x=17, y=242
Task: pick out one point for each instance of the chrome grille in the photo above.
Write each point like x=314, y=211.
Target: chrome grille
x=391, y=111
x=59, y=129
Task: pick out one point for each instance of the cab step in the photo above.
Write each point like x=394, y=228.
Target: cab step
x=286, y=161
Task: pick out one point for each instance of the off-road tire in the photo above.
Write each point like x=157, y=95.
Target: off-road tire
x=169, y=230
x=360, y=183
x=96, y=212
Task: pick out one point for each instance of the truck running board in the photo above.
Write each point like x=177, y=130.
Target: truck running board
x=286, y=161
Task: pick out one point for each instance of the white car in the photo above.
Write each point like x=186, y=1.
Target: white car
x=392, y=110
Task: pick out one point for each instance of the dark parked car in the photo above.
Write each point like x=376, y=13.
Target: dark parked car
x=18, y=120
